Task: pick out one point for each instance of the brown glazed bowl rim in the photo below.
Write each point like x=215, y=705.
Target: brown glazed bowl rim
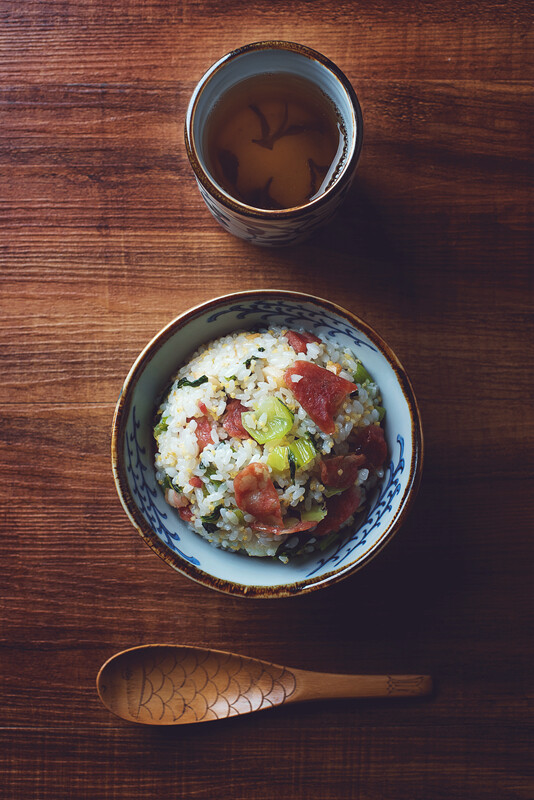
x=215, y=190
x=173, y=559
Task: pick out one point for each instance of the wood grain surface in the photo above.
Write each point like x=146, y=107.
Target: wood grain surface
x=104, y=239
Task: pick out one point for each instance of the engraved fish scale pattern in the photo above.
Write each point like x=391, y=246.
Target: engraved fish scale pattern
x=189, y=686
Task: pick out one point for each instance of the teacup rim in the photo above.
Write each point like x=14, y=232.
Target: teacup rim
x=213, y=188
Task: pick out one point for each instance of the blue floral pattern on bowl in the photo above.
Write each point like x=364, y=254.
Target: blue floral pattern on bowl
x=161, y=525
x=146, y=494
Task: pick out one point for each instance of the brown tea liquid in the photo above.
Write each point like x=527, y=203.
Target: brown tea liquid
x=274, y=141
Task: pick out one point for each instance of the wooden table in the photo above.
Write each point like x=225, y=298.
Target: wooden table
x=104, y=239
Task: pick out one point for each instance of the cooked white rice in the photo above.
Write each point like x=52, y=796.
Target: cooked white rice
x=232, y=374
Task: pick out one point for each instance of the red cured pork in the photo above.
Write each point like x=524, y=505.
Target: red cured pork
x=299, y=341
x=338, y=509
x=372, y=444
x=203, y=432
x=255, y=494
x=340, y=472
x=276, y=529
x=319, y=392
x=186, y=514
x=231, y=420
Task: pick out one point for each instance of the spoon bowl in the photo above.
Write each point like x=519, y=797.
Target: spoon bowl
x=176, y=685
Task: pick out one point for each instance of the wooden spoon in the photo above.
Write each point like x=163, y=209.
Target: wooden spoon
x=174, y=685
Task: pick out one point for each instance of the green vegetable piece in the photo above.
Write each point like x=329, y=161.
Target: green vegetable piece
x=279, y=421
x=213, y=517
x=294, y=545
x=161, y=427
x=303, y=451
x=381, y=413
x=315, y=514
x=361, y=374
x=186, y=382
x=332, y=492
x=323, y=542
x=239, y=514
x=277, y=458
x=292, y=463
x=209, y=527
x=167, y=483
x=249, y=361
x=211, y=470
x=299, y=453
x=231, y=378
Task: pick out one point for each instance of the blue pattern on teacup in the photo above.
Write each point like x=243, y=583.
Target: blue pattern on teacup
x=272, y=233
x=145, y=494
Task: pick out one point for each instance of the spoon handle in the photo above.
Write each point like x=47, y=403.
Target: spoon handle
x=323, y=685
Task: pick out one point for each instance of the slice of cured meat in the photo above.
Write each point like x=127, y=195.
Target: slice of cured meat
x=186, y=513
x=338, y=509
x=231, y=420
x=176, y=499
x=319, y=392
x=340, y=472
x=300, y=341
x=370, y=441
x=203, y=432
x=255, y=494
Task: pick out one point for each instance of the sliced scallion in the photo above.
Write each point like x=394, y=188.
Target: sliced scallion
x=315, y=514
x=303, y=451
x=278, y=420
x=361, y=374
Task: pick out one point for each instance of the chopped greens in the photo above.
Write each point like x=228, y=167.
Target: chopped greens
x=277, y=458
x=303, y=451
x=209, y=527
x=167, y=483
x=297, y=455
x=361, y=374
x=213, y=517
x=186, y=382
x=211, y=470
x=292, y=463
x=315, y=514
x=331, y=492
x=324, y=542
x=161, y=427
x=270, y=421
x=249, y=361
x=294, y=545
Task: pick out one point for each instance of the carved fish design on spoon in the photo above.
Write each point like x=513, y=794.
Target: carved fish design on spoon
x=176, y=685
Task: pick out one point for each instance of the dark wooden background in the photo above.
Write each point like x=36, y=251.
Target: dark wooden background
x=104, y=239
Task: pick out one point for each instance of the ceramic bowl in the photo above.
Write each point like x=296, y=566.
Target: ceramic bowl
x=133, y=446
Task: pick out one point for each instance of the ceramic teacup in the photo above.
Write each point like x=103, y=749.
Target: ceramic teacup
x=273, y=227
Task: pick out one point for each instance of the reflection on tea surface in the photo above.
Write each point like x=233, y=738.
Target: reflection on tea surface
x=274, y=141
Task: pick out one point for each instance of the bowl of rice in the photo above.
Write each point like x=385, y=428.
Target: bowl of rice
x=267, y=443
